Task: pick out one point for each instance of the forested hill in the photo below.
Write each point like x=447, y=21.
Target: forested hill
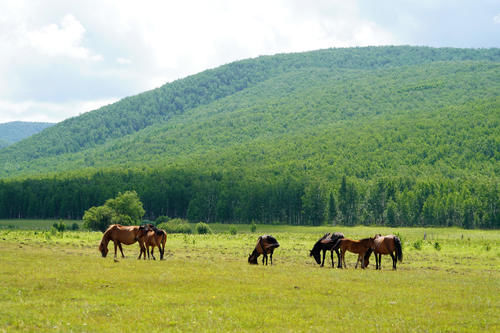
x=399, y=135
x=170, y=102
x=17, y=130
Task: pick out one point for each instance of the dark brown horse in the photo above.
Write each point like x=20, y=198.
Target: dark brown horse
x=326, y=243
x=152, y=237
x=265, y=245
x=361, y=247
x=389, y=244
x=119, y=234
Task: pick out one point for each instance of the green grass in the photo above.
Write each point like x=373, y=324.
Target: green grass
x=35, y=224
x=59, y=282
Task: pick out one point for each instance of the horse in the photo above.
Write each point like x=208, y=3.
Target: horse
x=265, y=244
x=389, y=244
x=326, y=243
x=151, y=237
x=119, y=234
x=361, y=247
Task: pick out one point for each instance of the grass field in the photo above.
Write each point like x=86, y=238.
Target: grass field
x=58, y=282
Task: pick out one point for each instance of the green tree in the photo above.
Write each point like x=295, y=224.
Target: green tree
x=332, y=209
x=314, y=204
x=125, y=209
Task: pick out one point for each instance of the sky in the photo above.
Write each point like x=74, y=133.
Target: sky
x=61, y=58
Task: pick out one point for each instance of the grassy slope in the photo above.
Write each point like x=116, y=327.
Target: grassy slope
x=206, y=284
x=314, y=116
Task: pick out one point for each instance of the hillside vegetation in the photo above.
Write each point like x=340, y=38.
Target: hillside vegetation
x=399, y=135
x=17, y=130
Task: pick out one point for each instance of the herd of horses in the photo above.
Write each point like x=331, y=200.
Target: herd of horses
x=148, y=236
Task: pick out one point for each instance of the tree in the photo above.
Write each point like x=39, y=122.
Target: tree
x=125, y=209
x=314, y=204
x=332, y=209
x=97, y=218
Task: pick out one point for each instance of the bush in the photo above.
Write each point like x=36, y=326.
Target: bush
x=176, y=226
x=75, y=226
x=148, y=222
x=418, y=244
x=203, y=228
x=162, y=219
x=59, y=226
x=233, y=230
x=437, y=246
x=253, y=227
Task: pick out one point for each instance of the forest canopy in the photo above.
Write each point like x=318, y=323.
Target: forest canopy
x=375, y=135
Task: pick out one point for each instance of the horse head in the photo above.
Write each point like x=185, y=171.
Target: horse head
x=104, y=249
x=316, y=255
x=252, y=258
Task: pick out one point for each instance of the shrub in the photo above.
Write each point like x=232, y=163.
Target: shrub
x=176, y=226
x=253, y=227
x=437, y=246
x=75, y=226
x=418, y=244
x=59, y=226
x=148, y=222
x=203, y=228
x=162, y=219
x=233, y=230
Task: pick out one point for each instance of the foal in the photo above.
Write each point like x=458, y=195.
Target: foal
x=361, y=247
x=151, y=237
x=265, y=244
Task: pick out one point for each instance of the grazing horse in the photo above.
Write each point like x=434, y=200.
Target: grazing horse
x=326, y=243
x=389, y=244
x=361, y=247
x=265, y=244
x=151, y=237
x=119, y=234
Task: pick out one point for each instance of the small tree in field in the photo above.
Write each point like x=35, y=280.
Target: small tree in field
x=125, y=209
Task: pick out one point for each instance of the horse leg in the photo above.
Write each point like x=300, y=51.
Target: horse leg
x=323, y=262
x=357, y=261
x=339, y=263
x=393, y=260
x=271, y=258
x=140, y=253
x=342, y=254
x=152, y=250
x=331, y=255
x=116, y=245
x=121, y=250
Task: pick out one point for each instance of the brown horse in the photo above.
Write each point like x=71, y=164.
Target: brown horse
x=151, y=237
x=265, y=244
x=119, y=234
x=361, y=247
x=326, y=243
x=389, y=244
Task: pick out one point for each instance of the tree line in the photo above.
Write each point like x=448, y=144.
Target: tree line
x=232, y=197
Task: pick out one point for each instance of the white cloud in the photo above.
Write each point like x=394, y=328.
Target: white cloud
x=496, y=19
x=64, y=40
x=47, y=111
x=123, y=61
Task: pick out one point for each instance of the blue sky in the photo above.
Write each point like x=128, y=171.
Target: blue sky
x=61, y=58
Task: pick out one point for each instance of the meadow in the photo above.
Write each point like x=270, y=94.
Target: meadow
x=52, y=281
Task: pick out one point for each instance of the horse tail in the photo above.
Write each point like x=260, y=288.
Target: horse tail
x=399, y=250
